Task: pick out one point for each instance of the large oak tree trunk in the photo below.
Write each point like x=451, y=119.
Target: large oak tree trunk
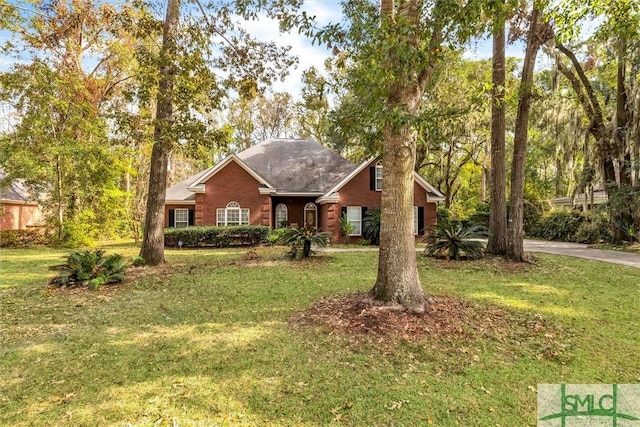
x=398, y=282
x=497, y=243
x=153, y=240
x=516, y=200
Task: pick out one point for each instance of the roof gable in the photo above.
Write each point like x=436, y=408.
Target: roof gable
x=198, y=184
x=433, y=193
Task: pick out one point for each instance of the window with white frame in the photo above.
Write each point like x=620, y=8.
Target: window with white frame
x=282, y=215
x=181, y=218
x=415, y=220
x=379, y=176
x=233, y=214
x=354, y=216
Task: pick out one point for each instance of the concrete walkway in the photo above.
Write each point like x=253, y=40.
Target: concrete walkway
x=577, y=250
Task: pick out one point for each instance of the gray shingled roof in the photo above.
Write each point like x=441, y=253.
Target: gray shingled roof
x=179, y=191
x=14, y=190
x=296, y=165
x=289, y=165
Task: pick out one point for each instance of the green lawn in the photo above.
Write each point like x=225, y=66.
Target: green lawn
x=205, y=341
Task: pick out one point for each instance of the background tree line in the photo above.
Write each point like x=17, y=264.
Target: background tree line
x=80, y=100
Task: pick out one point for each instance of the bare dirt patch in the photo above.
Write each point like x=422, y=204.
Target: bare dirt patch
x=447, y=318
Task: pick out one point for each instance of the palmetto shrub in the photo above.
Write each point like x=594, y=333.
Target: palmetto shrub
x=456, y=240
x=301, y=239
x=89, y=268
x=371, y=226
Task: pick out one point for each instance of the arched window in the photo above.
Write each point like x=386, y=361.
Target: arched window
x=310, y=216
x=282, y=215
x=233, y=214
x=379, y=175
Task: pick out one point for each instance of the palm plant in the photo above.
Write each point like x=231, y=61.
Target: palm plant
x=454, y=240
x=346, y=228
x=303, y=238
x=90, y=268
x=371, y=226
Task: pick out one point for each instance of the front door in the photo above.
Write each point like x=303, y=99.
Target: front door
x=310, y=216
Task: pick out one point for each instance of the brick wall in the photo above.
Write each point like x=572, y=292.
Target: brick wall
x=18, y=216
x=357, y=192
x=232, y=183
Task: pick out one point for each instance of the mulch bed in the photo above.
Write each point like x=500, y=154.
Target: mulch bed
x=448, y=318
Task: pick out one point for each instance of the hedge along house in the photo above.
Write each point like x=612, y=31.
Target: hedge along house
x=289, y=182
x=17, y=210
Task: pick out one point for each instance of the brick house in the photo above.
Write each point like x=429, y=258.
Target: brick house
x=17, y=210
x=289, y=182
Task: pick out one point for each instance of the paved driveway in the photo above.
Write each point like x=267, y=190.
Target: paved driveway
x=582, y=251
x=577, y=250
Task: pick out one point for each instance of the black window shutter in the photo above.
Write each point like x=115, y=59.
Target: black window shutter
x=364, y=211
x=192, y=217
x=343, y=211
x=172, y=217
x=420, y=219
x=372, y=178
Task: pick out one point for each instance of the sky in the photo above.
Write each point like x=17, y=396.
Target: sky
x=329, y=11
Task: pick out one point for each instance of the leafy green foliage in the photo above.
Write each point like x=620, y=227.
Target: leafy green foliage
x=300, y=239
x=560, y=224
x=137, y=261
x=455, y=241
x=346, y=228
x=594, y=228
x=23, y=238
x=277, y=236
x=443, y=216
x=219, y=237
x=371, y=226
x=89, y=268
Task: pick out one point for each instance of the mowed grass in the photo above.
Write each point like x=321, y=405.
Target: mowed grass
x=205, y=341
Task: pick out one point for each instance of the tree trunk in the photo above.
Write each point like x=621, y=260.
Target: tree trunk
x=60, y=216
x=516, y=200
x=306, y=248
x=622, y=116
x=398, y=281
x=153, y=241
x=497, y=243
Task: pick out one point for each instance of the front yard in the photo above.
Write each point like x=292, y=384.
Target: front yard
x=209, y=340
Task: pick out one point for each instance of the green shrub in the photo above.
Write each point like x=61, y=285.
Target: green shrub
x=219, y=237
x=301, y=239
x=277, y=236
x=595, y=228
x=89, y=268
x=371, y=226
x=23, y=238
x=138, y=261
x=453, y=241
x=346, y=228
x=79, y=231
x=443, y=216
x=560, y=224
x=481, y=215
x=532, y=214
